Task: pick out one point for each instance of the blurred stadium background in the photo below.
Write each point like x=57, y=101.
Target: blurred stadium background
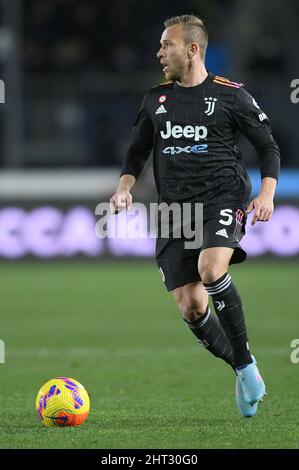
x=75, y=73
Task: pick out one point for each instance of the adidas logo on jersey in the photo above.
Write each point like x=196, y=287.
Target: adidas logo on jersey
x=222, y=232
x=161, y=110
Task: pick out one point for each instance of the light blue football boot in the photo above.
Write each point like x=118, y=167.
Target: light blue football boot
x=245, y=408
x=251, y=384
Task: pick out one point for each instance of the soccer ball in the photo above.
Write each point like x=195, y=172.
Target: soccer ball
x=62, y=402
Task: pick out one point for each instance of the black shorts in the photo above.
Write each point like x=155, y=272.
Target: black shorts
x=178, y=266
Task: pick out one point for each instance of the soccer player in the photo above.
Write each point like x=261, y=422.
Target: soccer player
x=191, y=123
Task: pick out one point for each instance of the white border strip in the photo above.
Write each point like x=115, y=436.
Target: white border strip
x=68, y=184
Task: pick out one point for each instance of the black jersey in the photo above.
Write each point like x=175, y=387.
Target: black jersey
x=192, y=132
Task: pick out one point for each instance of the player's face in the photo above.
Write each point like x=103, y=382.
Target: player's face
x=173, y=52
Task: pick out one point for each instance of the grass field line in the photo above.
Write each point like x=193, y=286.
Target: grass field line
x=123, y=351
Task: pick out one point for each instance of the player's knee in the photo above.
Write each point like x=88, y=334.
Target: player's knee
x=191, y=309
x=210, y=274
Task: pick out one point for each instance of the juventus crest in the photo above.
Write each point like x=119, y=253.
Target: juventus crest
x=210, y=102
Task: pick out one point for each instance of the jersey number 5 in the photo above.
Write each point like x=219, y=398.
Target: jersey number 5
x=228, y=214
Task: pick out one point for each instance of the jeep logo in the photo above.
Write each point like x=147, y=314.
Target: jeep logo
x=190, y=132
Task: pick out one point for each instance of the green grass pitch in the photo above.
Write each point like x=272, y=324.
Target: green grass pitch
x=113, y=327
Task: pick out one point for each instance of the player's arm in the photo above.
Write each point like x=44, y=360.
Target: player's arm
x=254, y=123
x=263, y=204
x=122, y=197
x=139, y=149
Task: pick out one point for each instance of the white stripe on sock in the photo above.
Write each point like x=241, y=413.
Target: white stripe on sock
x=206, y=319
x=219, y=287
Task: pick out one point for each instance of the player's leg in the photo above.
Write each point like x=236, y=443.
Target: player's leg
x=179, y=272
x=192, y=300
x=213, y=269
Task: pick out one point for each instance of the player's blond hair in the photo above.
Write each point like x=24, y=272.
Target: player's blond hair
x=194, y=29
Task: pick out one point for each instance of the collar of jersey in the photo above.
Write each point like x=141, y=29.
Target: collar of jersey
x=196, y=88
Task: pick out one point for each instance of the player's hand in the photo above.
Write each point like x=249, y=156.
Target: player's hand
x=263, y=209
x=119, y=201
